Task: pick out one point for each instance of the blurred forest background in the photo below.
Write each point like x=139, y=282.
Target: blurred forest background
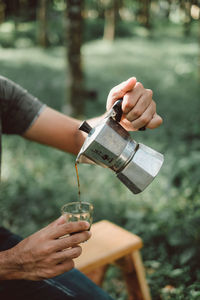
x=70, y=54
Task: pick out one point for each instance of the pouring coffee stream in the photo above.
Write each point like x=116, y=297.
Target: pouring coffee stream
x=109, y=145
x=78, y=182
x=79, y=189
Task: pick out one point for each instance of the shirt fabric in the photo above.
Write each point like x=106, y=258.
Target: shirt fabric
x=18, y=108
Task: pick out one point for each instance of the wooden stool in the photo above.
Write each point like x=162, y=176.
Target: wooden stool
x=112, y=244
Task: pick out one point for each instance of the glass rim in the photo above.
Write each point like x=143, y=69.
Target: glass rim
x=76, y=202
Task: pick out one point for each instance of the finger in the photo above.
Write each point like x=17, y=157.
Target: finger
x=78, y=238
x=155, y=122
x=63, y=267
x=131, y=98
x=68, y=228
x=58, y=269
x=145, y=118
x=71, y=253
x=71, y=240
x=46, y=232
x=119, y=91
x=59, y=221
x=140, y=107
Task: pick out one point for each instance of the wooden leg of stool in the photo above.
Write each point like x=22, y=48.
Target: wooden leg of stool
x=97, y=276
x=139, y=268
x=134, y=275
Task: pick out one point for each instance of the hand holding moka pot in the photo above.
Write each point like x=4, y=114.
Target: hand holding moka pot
x=109, y=145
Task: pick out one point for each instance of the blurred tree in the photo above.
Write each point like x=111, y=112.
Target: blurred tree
x=12, y=8
x=74, y=42
x=111, y=14
x=144, y=13
x=168, y=8
x=20, y=10
x=2, y=12
x=199, y=40
x=42, y=23
x=188, y=19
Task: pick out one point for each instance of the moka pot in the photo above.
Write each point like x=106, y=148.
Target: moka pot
x=109, y=145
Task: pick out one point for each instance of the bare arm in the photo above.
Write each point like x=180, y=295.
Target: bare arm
x=55, y=129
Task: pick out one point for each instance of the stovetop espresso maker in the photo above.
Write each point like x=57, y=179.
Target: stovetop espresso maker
x=109, y=145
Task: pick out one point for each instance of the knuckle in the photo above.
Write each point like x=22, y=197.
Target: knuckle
x=62, y=244
x=82, y=225
x=46, y=250
x=127, y=101
x=68, y=226
x=80, y=237
x=137, y=113
x=153, y=107
x=50, y=248
x=71, y=264
x=77, y=252
x=49, y=260
x=87, y=234
x=160, y=121
x=75, y=239
x=139, y=85
x=145, y=119
x=149, y=93
x=49, y=273
x=113, y=92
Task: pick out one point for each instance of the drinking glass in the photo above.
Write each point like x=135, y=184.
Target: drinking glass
x=78, y=211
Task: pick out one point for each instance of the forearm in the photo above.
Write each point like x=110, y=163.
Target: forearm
x=9, y=268
x=59, y=131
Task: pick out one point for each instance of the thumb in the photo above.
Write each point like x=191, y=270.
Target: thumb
x=119, y=91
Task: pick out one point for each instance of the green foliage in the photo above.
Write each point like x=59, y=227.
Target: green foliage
x=37, y=180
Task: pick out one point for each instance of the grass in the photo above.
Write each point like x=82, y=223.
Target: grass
x=37, y=181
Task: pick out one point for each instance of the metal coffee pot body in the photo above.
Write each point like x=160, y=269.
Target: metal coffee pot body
x=109, y=145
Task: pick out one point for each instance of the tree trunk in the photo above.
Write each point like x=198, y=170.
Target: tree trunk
x=199, y=50
x=145, y=18
x=42, y=23
x=168, y=9
x=74, y=60
x=109, y=27
x=2, y=12
x=16, y=9
x=147, y=14
x=186, y=6
x=110, y=15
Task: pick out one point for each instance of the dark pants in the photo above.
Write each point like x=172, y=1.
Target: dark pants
x=70, y=285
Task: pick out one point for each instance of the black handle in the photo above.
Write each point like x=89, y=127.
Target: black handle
x=85, y=127
x=116, y=110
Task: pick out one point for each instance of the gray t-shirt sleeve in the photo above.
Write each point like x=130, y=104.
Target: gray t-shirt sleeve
x=18, y=108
